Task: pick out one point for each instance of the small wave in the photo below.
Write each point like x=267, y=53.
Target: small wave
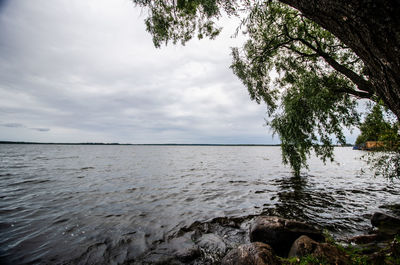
x=31, y=181
x=237, y=181
x=66, y=157
x=130, y=190
x=16, y=166
x=113, y=215
x=41, y=158
x=60, y=221
x=86, y=168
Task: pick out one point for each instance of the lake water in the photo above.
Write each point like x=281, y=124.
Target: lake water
x=69, y=202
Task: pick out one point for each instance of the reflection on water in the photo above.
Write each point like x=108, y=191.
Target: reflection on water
x=297, y=199
x=292, y=198
x=111, y=204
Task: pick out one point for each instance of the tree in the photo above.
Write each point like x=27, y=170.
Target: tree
x=371, y=29
x=384, y=159
x=376, y=128
x=328, y=54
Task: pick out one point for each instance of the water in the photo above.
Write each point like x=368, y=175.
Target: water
x=60, y=203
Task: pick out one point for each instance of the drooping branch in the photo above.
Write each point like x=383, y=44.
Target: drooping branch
x=371, y=29
x=365, y=87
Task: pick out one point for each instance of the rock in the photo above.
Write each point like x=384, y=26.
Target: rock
x=251, y=254
x=364, y=239
x=153, y=258
x=184, y=248
x=385, y=223
x=280, y=233
x=212, y=243
x=304, y=246
x=331, y=254
x=179, y=250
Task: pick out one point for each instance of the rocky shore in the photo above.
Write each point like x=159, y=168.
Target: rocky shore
x=273, y=240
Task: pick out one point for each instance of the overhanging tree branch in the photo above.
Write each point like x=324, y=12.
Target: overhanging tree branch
x=363, y=85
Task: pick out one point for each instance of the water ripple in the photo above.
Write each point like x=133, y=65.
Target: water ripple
x=110, y=204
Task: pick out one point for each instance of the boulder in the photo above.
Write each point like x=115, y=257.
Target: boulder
x=251, y=254
x=302, y=247
x=280, y=233
x=385, y=223
x=212, y=243
x=330, y=254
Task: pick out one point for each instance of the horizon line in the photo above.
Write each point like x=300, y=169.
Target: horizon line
x=149, y=144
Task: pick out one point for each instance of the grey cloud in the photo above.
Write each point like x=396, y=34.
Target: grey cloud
x=19, y=125
x=13, y=125
x=40, y=129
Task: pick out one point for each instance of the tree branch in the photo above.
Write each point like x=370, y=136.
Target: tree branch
x=362, y=84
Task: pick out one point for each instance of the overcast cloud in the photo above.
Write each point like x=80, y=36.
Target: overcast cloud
x=87, y=71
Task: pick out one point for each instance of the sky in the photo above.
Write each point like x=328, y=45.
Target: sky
x=87, y=71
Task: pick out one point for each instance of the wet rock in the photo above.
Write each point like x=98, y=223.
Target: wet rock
x=212, y=243
x=330, y=254
x=394, y=208
x=364, y=239
x=302, y=247
x=234, y=231
x=280, y=233
x=212, y=247
x=179, y=250
x=385, y=223
x=184, y=248
x=154, y=258
x=251, y=254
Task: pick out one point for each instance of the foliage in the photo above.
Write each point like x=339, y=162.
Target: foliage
x=385, y=164
x=318, y=80
x=376, y=128
x=358, y=254
x=306, y=260
x=309, y=102
x=180, y=20
x=385, y=159
x=355, y=254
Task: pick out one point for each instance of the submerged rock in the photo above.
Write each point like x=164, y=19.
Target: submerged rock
x=184, y=248
x=207, y=243
x=280, y=233
x=251, y=254
x=201, y=243
x=328, y=253
x=179, y=250
x=211, y=243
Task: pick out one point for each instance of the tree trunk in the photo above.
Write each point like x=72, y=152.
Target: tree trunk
x=371, y=28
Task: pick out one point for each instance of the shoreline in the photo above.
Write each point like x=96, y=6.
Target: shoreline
x=215, y=241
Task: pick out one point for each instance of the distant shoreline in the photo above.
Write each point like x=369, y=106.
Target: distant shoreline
x=38, y=143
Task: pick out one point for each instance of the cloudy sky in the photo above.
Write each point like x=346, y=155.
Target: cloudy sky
x=87, y=71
